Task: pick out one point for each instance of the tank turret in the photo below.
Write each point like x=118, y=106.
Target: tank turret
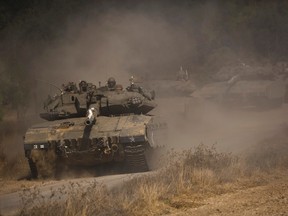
x=74, y=102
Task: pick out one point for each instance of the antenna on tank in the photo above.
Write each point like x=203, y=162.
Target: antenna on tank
x=43, y=81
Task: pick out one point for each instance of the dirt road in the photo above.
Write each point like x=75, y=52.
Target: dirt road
x=10, y=203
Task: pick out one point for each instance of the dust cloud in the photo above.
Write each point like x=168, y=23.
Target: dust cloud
x=116, y=45
x=146, y=40
x=230, y=130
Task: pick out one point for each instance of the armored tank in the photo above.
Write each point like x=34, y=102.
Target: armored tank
x=90, y=126
x=169, y=86
x=244, y=94
x=245, y=91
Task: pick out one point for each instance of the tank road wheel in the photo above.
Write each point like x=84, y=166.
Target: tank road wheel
x=135, y=159
x=43, y=163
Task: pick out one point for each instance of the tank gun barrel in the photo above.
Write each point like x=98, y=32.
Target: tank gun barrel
x=90, y=116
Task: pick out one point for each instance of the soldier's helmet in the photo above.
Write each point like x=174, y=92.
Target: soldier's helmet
x=111, y=83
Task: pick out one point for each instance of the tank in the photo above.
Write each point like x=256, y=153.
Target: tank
x=169, y=86
x=89, y=126
x=244, y=92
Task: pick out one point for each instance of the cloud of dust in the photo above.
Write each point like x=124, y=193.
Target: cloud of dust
x=116, y=44
x=191, y=123
x=148, y=41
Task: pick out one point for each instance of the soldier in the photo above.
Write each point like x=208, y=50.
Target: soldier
x=135, y=88
x=182, y=75
x=70, y=87
x=83, y=86
x=111, y=84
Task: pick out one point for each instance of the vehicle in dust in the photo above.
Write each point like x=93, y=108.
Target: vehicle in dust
x=245, y=90
x=89, y=125
x=179, y=85
x=170, y=88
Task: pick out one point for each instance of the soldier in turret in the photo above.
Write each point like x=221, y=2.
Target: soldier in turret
x=111, y=84
x=182, y=75
x=83, y=86
x=135, y=88
x=70, y=87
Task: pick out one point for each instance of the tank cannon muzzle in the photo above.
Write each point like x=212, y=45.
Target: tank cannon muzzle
x=90, y=117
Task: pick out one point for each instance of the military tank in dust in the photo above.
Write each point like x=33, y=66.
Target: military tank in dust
x=247, y=88
x=89, y=126
x=179, y=85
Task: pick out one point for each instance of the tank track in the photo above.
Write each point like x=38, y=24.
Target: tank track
x=136, y=159
x=33, y=169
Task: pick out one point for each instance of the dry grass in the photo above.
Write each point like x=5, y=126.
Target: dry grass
x=270, y=153
x=93, y=200
x=194, y=174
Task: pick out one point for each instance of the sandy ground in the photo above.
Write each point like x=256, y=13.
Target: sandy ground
x=268, y=199
x=10, y=186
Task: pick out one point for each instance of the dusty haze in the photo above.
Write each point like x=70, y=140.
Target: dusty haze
x=119, y=44
x=151, y=40
x=230, y=130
